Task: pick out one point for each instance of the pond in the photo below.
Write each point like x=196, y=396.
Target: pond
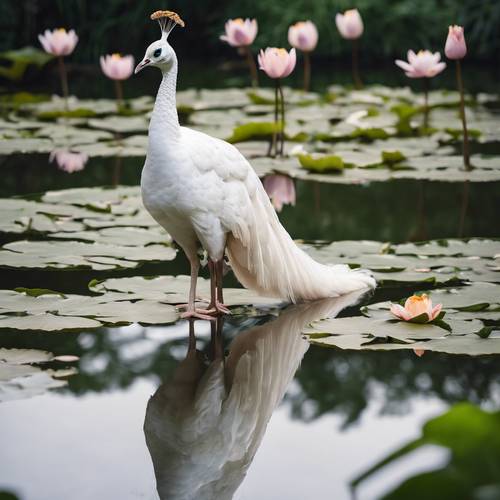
x=106, y=393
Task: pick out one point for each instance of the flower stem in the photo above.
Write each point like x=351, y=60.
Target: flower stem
x=119, y=94
x=272, y=151
x=64, y=80
x=254, y=75
x=465, y=150
x=282, y=134
x=358, y=84
x=426, y=104
x=307, y=71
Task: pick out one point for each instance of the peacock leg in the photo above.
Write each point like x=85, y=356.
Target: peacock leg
x=216, y=306
x=219, y=266
x=191, y=311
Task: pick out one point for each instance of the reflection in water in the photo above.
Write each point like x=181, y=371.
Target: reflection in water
x=280, y=189
x=204, y=425
x=69, y=161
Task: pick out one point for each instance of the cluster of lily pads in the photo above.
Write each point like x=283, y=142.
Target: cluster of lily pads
x=343, y=136
x=84, y=228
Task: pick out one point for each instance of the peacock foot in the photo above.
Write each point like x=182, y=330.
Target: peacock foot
x=217, y=309
x=197, y=314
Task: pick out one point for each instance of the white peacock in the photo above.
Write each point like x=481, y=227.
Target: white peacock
x=204, y=192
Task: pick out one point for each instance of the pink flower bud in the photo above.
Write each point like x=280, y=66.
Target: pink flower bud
x=349, y=24
x=277, y=63
x=116, y=67
x=239, y=32
x=303, y=36
x=455, y=47
x=58, y=42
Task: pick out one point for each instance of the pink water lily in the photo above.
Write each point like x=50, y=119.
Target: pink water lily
x=455, y=47
x=349, y=24
x=116, y=66
x=239, y=32
x=277, y=63
x=69, y=161
x=280, y=189
x=58, y=42
x=424, y=64
x=415, y=306
x=303, y=36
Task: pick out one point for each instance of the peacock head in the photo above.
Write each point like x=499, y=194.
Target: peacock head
x=160, y=53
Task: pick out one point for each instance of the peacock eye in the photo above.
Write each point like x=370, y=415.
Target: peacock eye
x=157, y=53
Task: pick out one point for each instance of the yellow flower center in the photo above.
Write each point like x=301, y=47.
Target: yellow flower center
x=61, y=30
x=350, y=12
x=238, y=21
x=116, y=56
x=300, y=24
x=418, y=298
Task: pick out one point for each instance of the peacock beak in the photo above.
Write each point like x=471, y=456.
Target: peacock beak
x=142, y=65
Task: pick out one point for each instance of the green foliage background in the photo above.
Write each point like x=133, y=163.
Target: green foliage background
x=391, y=26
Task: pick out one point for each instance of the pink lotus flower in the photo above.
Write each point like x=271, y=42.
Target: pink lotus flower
x=415, y=306
x=303, y=36
x=239, y=32
x=425, y=64
x=69, y=161
x=349, y=24
x=455, y=47
x=59, y=42
x=281, y=190
x=277, y=63
x=117, y=67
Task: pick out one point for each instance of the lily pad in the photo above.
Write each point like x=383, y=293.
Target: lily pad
x=74, y=254
x=21, y=377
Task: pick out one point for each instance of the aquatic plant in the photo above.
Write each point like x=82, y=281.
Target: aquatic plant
x=117, y=68
x=350, y=26
x=241, y=34
x=456, y=49
x=278, y=64
x=304, y=37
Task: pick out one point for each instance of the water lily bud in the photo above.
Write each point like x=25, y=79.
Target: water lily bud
x=239, y=32
x=117, y=67
x=303, y=36
x=455, y=47
x=277, y=63
x=58, y=42
x=350, y=24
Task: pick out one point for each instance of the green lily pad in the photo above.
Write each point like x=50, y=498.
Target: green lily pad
x=74, y=254
x=322, y=164
x=21, y=377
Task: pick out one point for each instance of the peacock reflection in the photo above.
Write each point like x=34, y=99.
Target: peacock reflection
x=204, y=425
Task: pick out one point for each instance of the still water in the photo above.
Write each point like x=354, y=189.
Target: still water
x=230, y=413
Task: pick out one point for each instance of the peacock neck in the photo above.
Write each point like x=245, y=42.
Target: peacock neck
x=164, y=120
